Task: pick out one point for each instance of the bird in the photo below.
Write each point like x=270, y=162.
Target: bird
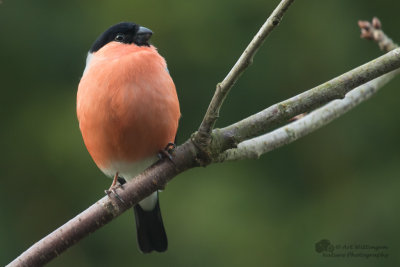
x=128, y=111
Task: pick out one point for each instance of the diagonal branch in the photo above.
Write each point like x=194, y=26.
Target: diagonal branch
x=202, y=138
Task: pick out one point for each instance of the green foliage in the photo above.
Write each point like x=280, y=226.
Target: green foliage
x=339, y=183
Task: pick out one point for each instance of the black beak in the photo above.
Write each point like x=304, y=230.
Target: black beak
x=143, y=36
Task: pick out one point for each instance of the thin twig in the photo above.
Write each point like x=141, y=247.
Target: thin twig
x=373, y=31
x=202, y=138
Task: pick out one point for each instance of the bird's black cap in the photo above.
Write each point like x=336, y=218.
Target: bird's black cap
x=124, y=32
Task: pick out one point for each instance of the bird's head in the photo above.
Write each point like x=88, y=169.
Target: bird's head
x=124, y=32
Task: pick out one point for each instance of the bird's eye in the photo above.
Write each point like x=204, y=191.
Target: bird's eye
x=119, y=37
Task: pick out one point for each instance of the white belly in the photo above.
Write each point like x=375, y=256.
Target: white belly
x=128, y=170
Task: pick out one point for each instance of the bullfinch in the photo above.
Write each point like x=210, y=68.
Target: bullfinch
x=128, y=111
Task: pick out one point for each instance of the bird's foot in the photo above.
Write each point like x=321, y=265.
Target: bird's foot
x=167, y=151
x=112, y=190
x=114, y=186
x=170, y=147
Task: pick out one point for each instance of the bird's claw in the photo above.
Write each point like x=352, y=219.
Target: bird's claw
x=112, y=190
x=170, y=147
x=167, y=151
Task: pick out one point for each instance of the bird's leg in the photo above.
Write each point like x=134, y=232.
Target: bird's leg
x=108, y=191
x=114, y=181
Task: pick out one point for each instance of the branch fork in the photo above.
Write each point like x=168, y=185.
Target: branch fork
x=203, y=136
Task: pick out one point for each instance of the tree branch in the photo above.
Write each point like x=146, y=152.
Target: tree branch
x=324, y=93
x=202, y=138
x=257, y=146
x=188, y=155
x=336, y=88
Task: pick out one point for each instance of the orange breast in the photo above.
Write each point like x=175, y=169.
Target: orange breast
x=127, y=104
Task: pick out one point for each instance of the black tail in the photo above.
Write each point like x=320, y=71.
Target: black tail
x=150, y=229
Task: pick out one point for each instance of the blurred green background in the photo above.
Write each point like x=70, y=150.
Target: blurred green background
x=339, y=183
